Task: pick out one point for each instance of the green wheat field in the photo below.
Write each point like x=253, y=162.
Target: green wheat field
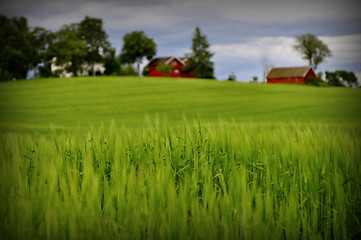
x=163, y=158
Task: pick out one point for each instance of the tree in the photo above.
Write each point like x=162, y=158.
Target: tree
x=136, y=46
x=338, y=77
x=348, y=77
x=111, y=63
x=127, y=70
x=43, y=39
x=333, y=79
x=18, y=55
x=201, y=54
x=91, y=31
x=166, y=69
x=145, y=71
x=69, y=49
x=312, y=49
x=232, y=77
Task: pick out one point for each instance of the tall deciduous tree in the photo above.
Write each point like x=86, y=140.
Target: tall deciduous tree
x=337, y=78
x=136, y=46
x=111, y=63
x=201, y=54
x=69, y=49
x=312, y=49
x=348, y=77
x=92, y=33
x=17, y=55
x=43, y=39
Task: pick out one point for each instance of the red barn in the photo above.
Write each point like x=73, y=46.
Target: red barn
x=181, y=67
x=290, y=75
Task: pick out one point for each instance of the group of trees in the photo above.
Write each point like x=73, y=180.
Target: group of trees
x=16, y=48
x=341, y=78
x=23, y=49
x=315, y=52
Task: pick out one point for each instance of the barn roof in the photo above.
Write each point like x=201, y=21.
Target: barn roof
x=287, y=72
x=163, y=60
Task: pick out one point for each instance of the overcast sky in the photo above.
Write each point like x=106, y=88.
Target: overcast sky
x=246, y=35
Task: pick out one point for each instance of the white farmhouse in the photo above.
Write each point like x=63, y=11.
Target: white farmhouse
x=86, y=69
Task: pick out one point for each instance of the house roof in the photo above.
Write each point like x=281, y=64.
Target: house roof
x=287, y=72
x=164, y=60
x=158, y=61
x=190, y=64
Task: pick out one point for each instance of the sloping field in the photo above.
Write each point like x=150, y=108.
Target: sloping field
x=81, y=102
x=147, y=158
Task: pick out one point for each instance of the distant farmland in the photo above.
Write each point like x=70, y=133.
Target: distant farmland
x=148, y=158
x=81, y=102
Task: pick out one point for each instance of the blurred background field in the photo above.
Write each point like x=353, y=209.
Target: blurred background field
x=82, y=102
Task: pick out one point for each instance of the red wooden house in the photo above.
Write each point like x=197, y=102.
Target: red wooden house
x=181, y=67
x=290, y=75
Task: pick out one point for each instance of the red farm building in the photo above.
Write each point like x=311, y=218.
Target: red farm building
x=181, y=67
x=290, y=75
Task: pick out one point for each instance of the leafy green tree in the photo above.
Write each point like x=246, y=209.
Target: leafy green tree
x=166, y=69
x=232, y=77
x=312, y=49
x=42, y=40
x=69, y=49
x=17, y=55
x=92, y=33
x=111, y=63
x=201, y=54
x=136, y=46
x=145, y=71
x=348, y=77
x=333, y=79
x=114, y=67
x=337, y=78
x=128, y=70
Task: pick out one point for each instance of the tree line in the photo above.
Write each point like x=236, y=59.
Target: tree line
x=24, y=49
x=315, y=52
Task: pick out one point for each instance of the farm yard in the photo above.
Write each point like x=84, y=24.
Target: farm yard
x=168, y=158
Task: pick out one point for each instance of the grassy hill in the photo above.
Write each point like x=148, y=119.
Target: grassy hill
x=74, y=102
x=259, y=161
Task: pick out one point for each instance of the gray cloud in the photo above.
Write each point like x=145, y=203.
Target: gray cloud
x=229, y=24
x=249, y=11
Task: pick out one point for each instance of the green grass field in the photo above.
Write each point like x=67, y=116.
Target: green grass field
x=80, y=102
x=148, y=158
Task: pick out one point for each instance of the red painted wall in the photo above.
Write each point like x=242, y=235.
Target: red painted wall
x=176, y=70
x=188, y=75
x=286, y=80
x=310, y=74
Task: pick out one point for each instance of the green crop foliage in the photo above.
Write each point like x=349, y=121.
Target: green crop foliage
x=144, y=158
x=194, y=181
